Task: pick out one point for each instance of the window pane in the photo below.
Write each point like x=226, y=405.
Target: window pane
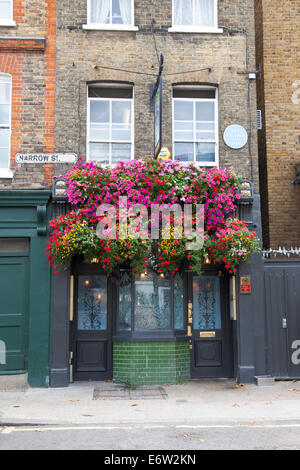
x=121, y=11
x=152, y=303
x=100, y=11
x=99, y=131
x=207, y=306
x=205, y=111
x=92, y=303
x=183, y=130
x=205, y=152
x=121, y=120
x=183, y=111
x=5, y=10
x=99, y=120
x=125, y=301
x=205, y=130
x=121, y=132
x=99, y=111
x=183, y=12
x=204, y=12
x=99, y=153
x=184, y=152
x=4, y=92
x=178, y=302
x=120, y=153
x=4, y=114
x=121, y=111
x=4, y=148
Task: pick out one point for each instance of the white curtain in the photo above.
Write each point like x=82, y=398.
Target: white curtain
x=125, y=9
x=183, y=12
x=99, y=11
x=204, y=12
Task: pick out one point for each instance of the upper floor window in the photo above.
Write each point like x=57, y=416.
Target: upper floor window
x=110, y=128
x=6, y=13
x=195, y=15
x=5, y=112
x=110, y=14
x=195, y=125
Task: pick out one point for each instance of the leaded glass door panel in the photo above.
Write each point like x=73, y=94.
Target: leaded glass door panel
x=211, y=333
x=91, y=327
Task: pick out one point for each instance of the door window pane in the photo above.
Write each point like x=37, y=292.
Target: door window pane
x=178, y=302
x=206, y=301
x=92, y=303
x=152, y=303
x=125, y=301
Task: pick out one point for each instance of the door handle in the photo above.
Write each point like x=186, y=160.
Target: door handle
x=284, y=323
x=190, y=312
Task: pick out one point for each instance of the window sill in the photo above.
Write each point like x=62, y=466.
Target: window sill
x=6, y=174
x=185, y=29
x=8, y=23
x=110, y=27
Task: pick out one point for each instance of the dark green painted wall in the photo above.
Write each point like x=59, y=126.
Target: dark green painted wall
x=26, y=214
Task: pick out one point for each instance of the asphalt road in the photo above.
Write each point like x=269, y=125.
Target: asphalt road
x=253, y=436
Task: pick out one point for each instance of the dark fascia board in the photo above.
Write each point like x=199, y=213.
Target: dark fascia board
x=24, y=198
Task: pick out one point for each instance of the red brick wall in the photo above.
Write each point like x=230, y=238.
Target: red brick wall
x=31, y=63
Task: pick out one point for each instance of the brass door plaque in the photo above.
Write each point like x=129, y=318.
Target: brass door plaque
x=207, y=334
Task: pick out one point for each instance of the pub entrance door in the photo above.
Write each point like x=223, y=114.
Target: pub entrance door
x=212, y=339
x=91, y=327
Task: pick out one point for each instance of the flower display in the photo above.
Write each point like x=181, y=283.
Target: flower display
x=148, y=183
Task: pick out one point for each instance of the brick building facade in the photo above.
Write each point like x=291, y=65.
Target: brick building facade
x=278, y=85
x=64, y=58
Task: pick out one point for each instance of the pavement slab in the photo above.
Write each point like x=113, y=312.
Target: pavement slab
x=199, y=401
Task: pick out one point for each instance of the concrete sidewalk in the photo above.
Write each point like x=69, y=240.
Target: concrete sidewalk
x=199, y=401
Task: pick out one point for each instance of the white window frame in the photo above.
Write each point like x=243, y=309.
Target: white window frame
x=6, y=172
x=110, y=26
x=8, y=21
x=215, y=141
x=194, y=28
x=131, y=141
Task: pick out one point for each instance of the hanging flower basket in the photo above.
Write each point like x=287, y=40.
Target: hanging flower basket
x=147, y=183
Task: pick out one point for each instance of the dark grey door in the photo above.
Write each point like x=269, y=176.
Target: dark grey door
x=212, y=347
x=282, y=288
x=91, y=329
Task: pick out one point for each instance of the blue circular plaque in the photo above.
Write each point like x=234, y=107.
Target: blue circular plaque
x=235, y=137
